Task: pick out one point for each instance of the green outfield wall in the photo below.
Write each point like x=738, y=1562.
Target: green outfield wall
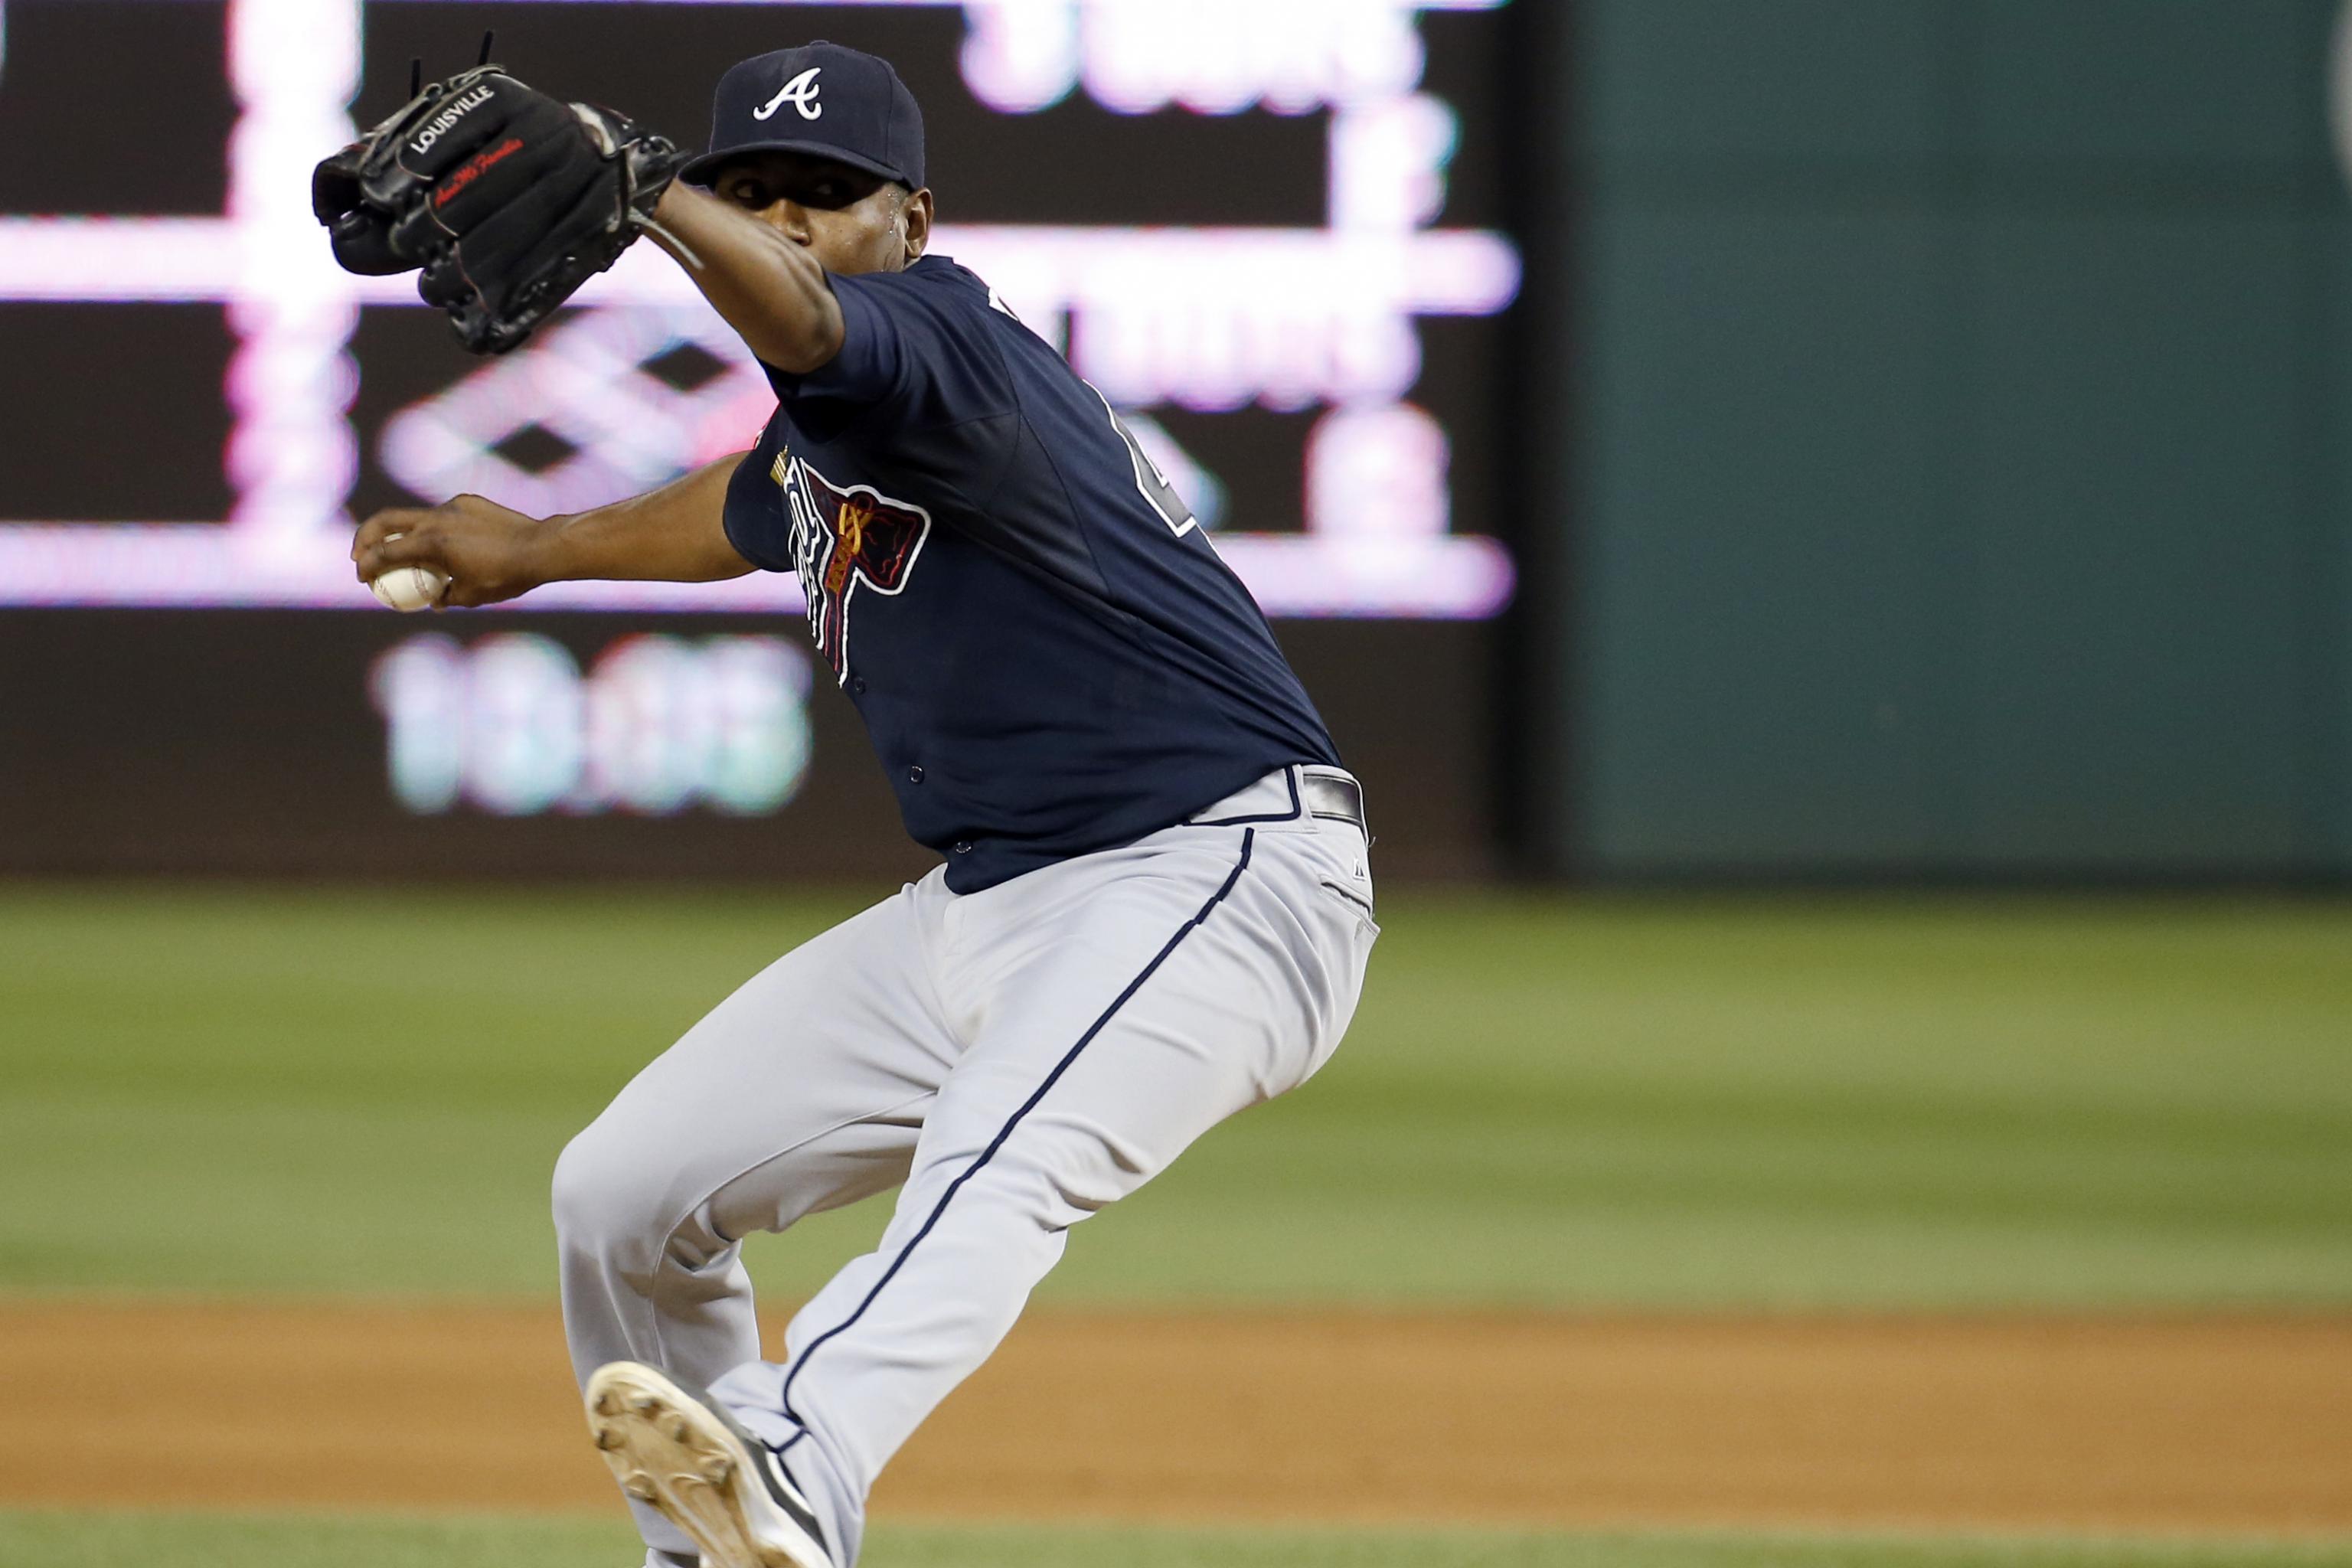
x=1961, y=400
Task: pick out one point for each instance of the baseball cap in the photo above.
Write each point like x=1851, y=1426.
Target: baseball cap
x=821, y=100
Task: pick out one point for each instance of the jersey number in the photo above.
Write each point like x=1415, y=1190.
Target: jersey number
x=1149, y=479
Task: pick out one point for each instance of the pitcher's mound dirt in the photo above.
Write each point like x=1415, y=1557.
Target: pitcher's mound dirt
x=2233, y=1424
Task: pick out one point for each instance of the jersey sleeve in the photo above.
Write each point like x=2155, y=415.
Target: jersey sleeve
x=754, y=518
x=911, y=342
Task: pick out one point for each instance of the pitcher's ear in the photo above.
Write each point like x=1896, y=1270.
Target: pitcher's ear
x=915, y=222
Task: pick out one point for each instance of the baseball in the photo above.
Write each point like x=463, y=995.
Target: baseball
x=409, y=588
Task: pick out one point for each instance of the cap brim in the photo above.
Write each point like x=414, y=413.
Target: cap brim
x=701, y=170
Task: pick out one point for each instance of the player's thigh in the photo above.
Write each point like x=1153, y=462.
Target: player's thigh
x=1180, y=987
x=803, y=1090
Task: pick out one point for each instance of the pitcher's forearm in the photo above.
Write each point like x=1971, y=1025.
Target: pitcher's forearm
x=674, y=534
x=769, y=288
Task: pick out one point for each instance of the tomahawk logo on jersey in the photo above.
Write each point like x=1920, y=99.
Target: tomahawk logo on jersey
x=844, y=540
x=1049, y=657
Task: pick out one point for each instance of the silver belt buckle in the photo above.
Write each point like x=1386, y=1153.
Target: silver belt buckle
x=1331, y=794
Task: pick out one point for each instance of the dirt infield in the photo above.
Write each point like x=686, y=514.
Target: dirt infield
x=2228, y=1424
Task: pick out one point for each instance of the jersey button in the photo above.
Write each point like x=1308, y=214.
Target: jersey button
x=961, y=847
x=915, y=774
x=858, y=684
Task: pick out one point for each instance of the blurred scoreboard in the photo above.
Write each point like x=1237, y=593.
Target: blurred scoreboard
x=1265, y=232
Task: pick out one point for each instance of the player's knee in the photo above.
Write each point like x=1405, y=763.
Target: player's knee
x=607, y=1192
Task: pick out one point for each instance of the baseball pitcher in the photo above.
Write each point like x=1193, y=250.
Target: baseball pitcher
x=1154, y=907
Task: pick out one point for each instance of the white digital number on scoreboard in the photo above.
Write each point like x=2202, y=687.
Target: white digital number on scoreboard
x=511, y=724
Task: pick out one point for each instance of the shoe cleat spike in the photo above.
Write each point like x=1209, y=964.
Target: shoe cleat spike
x=609, y=1436
x=718, y=1469
x=676, y=1427
x=639, y=1486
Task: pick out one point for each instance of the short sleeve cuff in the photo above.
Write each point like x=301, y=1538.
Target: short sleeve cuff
x=866, y=370
x=754, y=518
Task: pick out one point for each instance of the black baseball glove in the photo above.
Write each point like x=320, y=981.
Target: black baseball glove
x=507, y=198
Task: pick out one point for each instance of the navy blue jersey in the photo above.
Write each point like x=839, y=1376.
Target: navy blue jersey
x=1049, y=657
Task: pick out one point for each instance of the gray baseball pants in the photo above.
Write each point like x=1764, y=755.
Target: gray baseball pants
x=1017, y=1058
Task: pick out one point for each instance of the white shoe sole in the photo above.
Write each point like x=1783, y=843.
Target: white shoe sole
x=667, y=1448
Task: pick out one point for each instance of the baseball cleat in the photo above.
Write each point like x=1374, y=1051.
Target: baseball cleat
x=680, y=1451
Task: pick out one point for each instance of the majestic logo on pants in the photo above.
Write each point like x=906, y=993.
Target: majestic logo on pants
x=844, y=540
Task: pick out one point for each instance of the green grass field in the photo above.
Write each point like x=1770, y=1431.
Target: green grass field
x=1782, y=1103
x=184, y=1540
x=1850, y=1102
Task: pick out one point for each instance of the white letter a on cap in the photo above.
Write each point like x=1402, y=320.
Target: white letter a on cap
x=800, y=92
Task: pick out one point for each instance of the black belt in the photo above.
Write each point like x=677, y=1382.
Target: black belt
x=1323, y=792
